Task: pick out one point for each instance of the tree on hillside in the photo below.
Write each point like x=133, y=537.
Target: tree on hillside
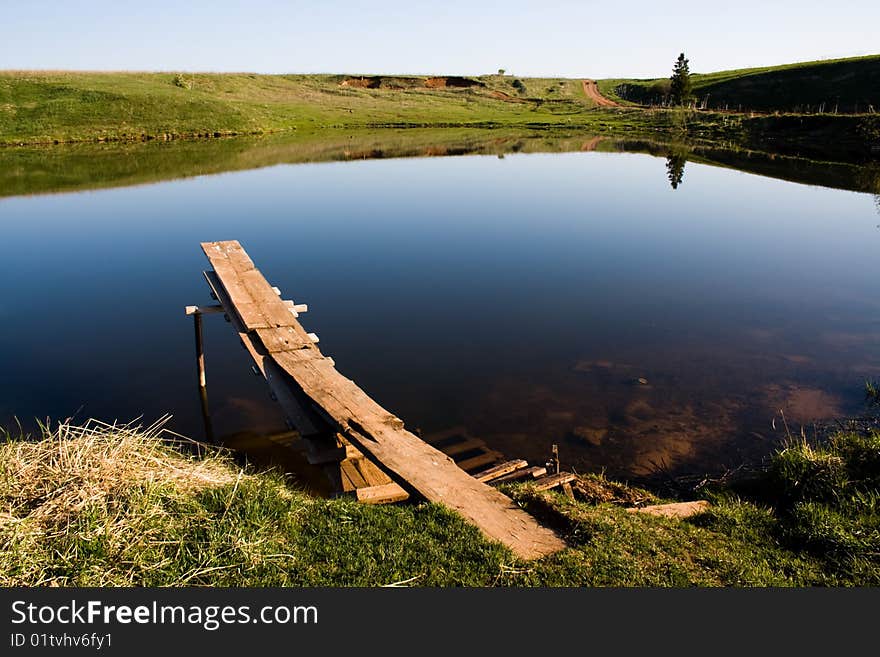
x=500, y=71
x=680, y=89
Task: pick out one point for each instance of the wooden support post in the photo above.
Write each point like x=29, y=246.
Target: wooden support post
x=200, y=350
x=197, y=313
x=206, y=415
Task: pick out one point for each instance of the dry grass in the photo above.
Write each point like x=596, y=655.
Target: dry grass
x=108, y=488
x=45, y=483
x=596, y=489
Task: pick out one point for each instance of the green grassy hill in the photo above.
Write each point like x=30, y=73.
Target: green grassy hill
x=845, y=85
x=45, y=107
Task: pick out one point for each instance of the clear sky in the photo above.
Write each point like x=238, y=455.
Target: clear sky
x=632, y=38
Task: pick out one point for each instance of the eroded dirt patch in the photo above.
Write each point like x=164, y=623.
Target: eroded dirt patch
x=394, y=82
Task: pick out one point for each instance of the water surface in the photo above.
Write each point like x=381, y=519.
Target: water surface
x=571, y=298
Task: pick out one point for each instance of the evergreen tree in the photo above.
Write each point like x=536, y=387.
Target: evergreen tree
x=680, y=90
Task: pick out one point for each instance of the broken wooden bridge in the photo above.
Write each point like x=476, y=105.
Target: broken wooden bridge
x=364, y=448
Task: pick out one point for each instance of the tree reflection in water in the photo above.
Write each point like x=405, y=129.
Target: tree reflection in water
x=675, y=169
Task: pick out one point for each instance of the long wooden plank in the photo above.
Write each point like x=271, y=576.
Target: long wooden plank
x=381, y=436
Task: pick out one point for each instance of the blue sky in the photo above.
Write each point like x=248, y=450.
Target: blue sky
x=577, y=39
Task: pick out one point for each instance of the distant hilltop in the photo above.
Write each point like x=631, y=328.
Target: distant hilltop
x=845, y=86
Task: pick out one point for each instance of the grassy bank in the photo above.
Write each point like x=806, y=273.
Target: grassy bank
x=111, y=506
x=850, y=85
x=38, y=108
x=47, y=107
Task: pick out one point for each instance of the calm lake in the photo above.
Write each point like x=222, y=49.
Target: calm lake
x=526, y=299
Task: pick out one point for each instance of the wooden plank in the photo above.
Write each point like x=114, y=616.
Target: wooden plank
x=273, y=309
x=479, y=461
x=282, y=338
x=252, y=297
x=348, y=470
x=529, y=473
x=371, y=473
x=384, y=494
x=675, y=510
x=500, y=470
x=546, y=483
x=381, y=436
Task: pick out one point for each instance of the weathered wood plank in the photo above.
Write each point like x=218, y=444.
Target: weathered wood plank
x=282, y=338
x=500, y=470
x=252, y=297
x=529, y=473
x=353, y=475
x=382, y=494
x=546, y=483
x=381, y=436
x=370, y=471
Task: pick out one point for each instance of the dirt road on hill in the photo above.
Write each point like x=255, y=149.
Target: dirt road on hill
x=591, y=90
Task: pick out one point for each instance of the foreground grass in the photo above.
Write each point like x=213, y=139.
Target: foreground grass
x=119, y=506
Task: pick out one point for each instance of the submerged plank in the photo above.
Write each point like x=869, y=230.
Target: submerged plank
x=378, y=434
x=500, y=470
x=528, y=473
x=546, y=483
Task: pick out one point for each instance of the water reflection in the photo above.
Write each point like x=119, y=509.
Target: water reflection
x=675, y=169
x=95, y=166
x=635, y=328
